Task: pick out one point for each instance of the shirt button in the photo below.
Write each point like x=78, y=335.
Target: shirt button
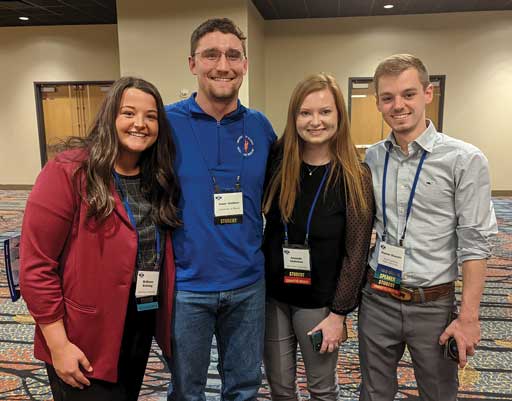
x=401, y=210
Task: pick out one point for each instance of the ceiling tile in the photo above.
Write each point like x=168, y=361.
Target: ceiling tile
x=291, y=9
x=45, y=3
x=13, y=4
x=66, y=12
x=347, y=8
x=351, y=8
x=322, y=9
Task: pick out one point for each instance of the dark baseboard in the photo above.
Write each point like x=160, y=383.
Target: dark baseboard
x=9, y=187
x=504, y=192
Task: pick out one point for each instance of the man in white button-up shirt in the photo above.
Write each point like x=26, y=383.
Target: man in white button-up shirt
x=433, y=207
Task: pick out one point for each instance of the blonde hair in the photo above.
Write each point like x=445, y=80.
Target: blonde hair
x=345, y=162
x=398, y=63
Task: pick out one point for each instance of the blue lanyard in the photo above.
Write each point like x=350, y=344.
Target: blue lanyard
x=310, y=215
x=411, y=196
x=216, y=188
x=132, y=220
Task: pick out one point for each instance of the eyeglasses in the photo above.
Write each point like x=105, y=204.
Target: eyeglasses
x=214, y=55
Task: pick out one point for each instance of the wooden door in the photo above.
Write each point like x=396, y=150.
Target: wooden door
x=95, y=96
x=367, y=125
x=68, y=110
x=58, y=116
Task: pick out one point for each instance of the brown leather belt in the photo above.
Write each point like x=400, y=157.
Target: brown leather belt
x=420, y=294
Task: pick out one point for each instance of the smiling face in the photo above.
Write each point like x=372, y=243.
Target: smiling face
x=136, y=122
x=218, y=80
x=402, y=100
x=317, y=119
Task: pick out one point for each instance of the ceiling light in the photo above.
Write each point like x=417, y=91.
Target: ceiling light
x=24, y=18
x=389, y=6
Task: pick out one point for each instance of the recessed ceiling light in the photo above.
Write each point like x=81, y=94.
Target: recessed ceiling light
x=24, y=18
x=389, y=6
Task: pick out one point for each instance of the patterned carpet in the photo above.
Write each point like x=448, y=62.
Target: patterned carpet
x=488, y=376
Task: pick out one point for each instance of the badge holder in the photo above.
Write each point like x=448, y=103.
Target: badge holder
x=297, y=264
x=228, y=207
x=146, y=289
x=388, y=275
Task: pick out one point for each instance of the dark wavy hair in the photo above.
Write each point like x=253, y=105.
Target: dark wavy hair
x=159, y=183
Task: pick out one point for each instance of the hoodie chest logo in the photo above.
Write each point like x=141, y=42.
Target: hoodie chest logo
x=245, y=145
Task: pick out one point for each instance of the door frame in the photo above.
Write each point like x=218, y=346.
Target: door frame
x=39, y=109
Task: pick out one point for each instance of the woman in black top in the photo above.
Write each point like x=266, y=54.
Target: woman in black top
x=319, y=210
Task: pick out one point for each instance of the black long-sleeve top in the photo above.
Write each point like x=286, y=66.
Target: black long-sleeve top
x=339, y=239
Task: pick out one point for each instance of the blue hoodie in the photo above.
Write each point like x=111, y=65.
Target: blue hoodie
x=212, y=257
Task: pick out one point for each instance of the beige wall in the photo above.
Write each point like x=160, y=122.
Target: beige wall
x=473, y=50
x=256, y=49
x=154, y=41
x=29, y=54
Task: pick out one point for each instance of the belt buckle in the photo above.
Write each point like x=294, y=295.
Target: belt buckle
x=404, y=296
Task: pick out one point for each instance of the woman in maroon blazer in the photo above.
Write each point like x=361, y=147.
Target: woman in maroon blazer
x=97, y=269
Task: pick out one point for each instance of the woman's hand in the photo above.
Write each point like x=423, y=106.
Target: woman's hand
x=332, y=331
x=66, y=361
x=66, y=356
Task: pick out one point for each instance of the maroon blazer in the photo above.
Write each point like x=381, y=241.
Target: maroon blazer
x=76, y=269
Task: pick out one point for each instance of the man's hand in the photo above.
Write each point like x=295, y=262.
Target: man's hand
x=466, y=328
x=332, y=331
x=467, y=336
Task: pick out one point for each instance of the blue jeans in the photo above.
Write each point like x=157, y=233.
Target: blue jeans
x=237, y=319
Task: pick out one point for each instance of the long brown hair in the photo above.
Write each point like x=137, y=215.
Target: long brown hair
x=159, y=183
x=345, y=162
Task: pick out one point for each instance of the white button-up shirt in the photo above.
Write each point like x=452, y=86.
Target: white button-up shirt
x=452, y=216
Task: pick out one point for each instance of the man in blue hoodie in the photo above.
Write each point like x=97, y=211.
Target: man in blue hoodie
x=222, y=149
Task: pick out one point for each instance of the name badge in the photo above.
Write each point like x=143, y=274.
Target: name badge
x=147, y=283
x=388, y=275
x=146, y=290
x=228, y=207
x=392, y=256
x=297, y=264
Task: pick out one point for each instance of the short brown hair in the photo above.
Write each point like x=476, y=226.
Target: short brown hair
x=224, y=25
x=398, y=63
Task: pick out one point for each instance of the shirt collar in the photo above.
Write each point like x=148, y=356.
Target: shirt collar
x=426, y=140
x=196, y=110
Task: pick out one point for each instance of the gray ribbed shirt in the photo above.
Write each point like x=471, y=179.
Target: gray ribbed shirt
x=452, y=215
